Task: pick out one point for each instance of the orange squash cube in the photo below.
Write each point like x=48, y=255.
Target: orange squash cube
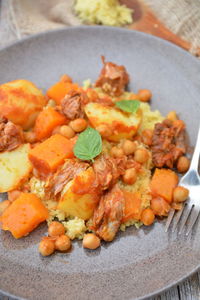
x=47, y=156
x=58, y=91
x=163, y=183
x=133, y=206
x=46, y=121
x=24, y=215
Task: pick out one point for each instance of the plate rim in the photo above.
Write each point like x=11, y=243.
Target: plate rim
x=117, y=29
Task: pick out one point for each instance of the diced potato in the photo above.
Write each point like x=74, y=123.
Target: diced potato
x=79, y=197
x=121, y=124
x=15, y=168
x=20, y=102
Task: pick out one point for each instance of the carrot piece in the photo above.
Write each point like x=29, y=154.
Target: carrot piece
x=51, y=153
x=24, y=215
x=58, y=91
x=163, y=183
x=133, y=206
x=46, y=121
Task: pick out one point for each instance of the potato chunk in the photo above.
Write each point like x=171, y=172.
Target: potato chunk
x=20, y=102
x=121, y=124
x=15, y=168
x=80, y=196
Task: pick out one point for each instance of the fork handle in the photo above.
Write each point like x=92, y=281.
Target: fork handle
x=195, y=158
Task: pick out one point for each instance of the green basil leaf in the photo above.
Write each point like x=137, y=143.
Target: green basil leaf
x=130, y=106
x=88, y=145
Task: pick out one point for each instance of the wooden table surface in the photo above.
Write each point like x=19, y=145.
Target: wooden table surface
x=190, y=288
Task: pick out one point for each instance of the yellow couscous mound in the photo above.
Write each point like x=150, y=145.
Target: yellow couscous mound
x=105, y=12
x=76, y=227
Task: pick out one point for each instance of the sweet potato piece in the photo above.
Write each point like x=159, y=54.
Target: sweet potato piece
x=58, y=91
x=133, y=206
x=51, y=153
x=46, y=121
x=23, y=215
x=163, y=183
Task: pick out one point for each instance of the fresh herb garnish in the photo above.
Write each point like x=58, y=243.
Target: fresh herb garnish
x=130, y=106
x=88, y=145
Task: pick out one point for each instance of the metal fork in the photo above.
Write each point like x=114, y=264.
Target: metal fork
x=190, y=210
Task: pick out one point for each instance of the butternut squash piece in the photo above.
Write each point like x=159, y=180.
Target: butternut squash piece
x=47, y=156
x=58, y=91
x=133, y=206
x=46, y=121
x=163, y=183
x=23, y=215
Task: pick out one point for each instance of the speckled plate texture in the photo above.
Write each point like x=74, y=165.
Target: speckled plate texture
x=139, y=263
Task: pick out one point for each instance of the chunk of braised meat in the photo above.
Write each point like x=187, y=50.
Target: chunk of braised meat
x=108, y=170
x=58, y=180
x=11, y=135
x=109, y=213
x=113, y=78
x=72, y=105
x=168, y=143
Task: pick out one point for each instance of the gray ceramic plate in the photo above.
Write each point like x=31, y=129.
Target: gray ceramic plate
x=138, y=263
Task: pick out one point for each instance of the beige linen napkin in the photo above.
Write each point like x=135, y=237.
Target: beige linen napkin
x=24, y=17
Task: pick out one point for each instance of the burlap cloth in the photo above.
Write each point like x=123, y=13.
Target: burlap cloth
x=20, y=18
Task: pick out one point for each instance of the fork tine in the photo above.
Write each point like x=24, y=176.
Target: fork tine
x=187, y=211
x=169, y=219
x=193, y=218
x=177, y=218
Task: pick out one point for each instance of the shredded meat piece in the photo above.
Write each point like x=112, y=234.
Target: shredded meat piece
x=72, y=105
x=109, y=213
x=11, y=135
x=168, y=143
x=112, y=79
x=108, y=170
x=58, y=180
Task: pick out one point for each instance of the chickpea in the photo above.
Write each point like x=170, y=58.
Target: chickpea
x=56, y=130
x=129, y=147
x=63, y=243
x=56, y=229
x=13, y=195
x=46, y=247
x=144, y=95
x=172, y=116
x=160, y=207
x=141, y=155
x=3, y=205
x=104, y=130
x=130, y=176
x=67, y=131
x=91, y=241
x=180, y=194
x=148, y=216
x=116, y=152
x=30, y=137
x=147, y=136
x=78, y=125
x=183, y=164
